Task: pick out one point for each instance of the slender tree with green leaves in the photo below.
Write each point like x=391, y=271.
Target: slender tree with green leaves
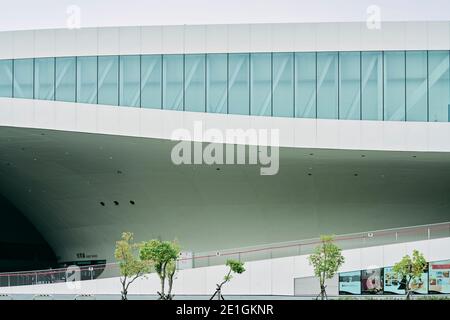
x=410, y=270
x=163, y=256
x=326, y=260
x=234, y=267
x=131, y=267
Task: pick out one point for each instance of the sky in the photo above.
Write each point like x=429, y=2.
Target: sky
x=43, y=14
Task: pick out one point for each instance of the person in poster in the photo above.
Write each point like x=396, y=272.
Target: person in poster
x=372, y=281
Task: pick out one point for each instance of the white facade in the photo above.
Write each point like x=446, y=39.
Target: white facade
x=345, y=36
x=264, y=277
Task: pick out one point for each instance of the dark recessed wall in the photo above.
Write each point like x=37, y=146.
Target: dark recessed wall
x=21, y=245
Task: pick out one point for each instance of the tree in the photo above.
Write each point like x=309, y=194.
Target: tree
x=234, y=266
x=410, y=270
x=326, y=260
x=131, y=267
x=163, y=256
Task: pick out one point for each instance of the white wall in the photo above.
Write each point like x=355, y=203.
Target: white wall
x=294, y=132
x=345, y=36
x=265, y=277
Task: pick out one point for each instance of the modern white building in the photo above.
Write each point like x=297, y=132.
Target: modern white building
x=87, y=118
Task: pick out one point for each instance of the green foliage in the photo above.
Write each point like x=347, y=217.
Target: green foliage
x=410, y=269
x=235, y=266
x=326, y=261
x=163, y=256
x=160, y=253
x=126, y=254
x=131, y=267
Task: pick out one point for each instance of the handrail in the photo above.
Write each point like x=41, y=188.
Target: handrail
x=266, y=248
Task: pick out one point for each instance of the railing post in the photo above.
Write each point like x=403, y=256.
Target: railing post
x=428, y=229
x=9, y=280
x=396, y=236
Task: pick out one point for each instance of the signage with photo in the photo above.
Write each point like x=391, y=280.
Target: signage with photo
x=372, y=281
x=439, y=277
x=393, y=284
x=350, y=282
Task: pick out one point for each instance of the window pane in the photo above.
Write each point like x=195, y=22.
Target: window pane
x=394, y=85
x=327, y=85
x=216, y=83
x=130, y=74
x=6, y=78
x=305, y=85
x=416, y=86
x=173, y=82
x=108, y=80
x=438, y=74
x=283, y=85
x=372, y=85
x=87, y=79
x=349, y=85
x=151, y=73
x=261, y=84
x=44, y=79
x=23, y=78
x=239, y=90
x=194, y=81
x=65, y=79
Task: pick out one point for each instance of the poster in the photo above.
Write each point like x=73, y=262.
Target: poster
x=372, y=281
x=350, y=282
x=439, y=277
x=393, y=284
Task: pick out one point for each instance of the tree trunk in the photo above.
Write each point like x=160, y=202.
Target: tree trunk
x=124, y=294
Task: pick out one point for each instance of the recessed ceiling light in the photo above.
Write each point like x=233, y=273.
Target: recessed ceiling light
x=102, y=203
x=309, y=174
x=363, y=156
x=355, y=174
x=132, y=202
x=116, y=202
x=218, y=169
x=119, y=172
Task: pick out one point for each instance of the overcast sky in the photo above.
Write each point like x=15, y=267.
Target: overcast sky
x=37, y=14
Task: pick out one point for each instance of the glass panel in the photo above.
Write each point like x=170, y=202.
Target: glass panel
x=372, y=85
x=108, y=80
x=349, y=85
x=394, y=85
x=130, y=78
x=216, y=83
x=23, y=78
x=305, y=85
x=438, y=81
x=283, y=84
x=173, y=82
x=6, y=78
x=87, y=79
x=261, y=84
x=65, y=79
x=239, y=89
x=194, y=81
x=44, y=79
x=151, y=74
x=416, y=86
x=327, y=85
